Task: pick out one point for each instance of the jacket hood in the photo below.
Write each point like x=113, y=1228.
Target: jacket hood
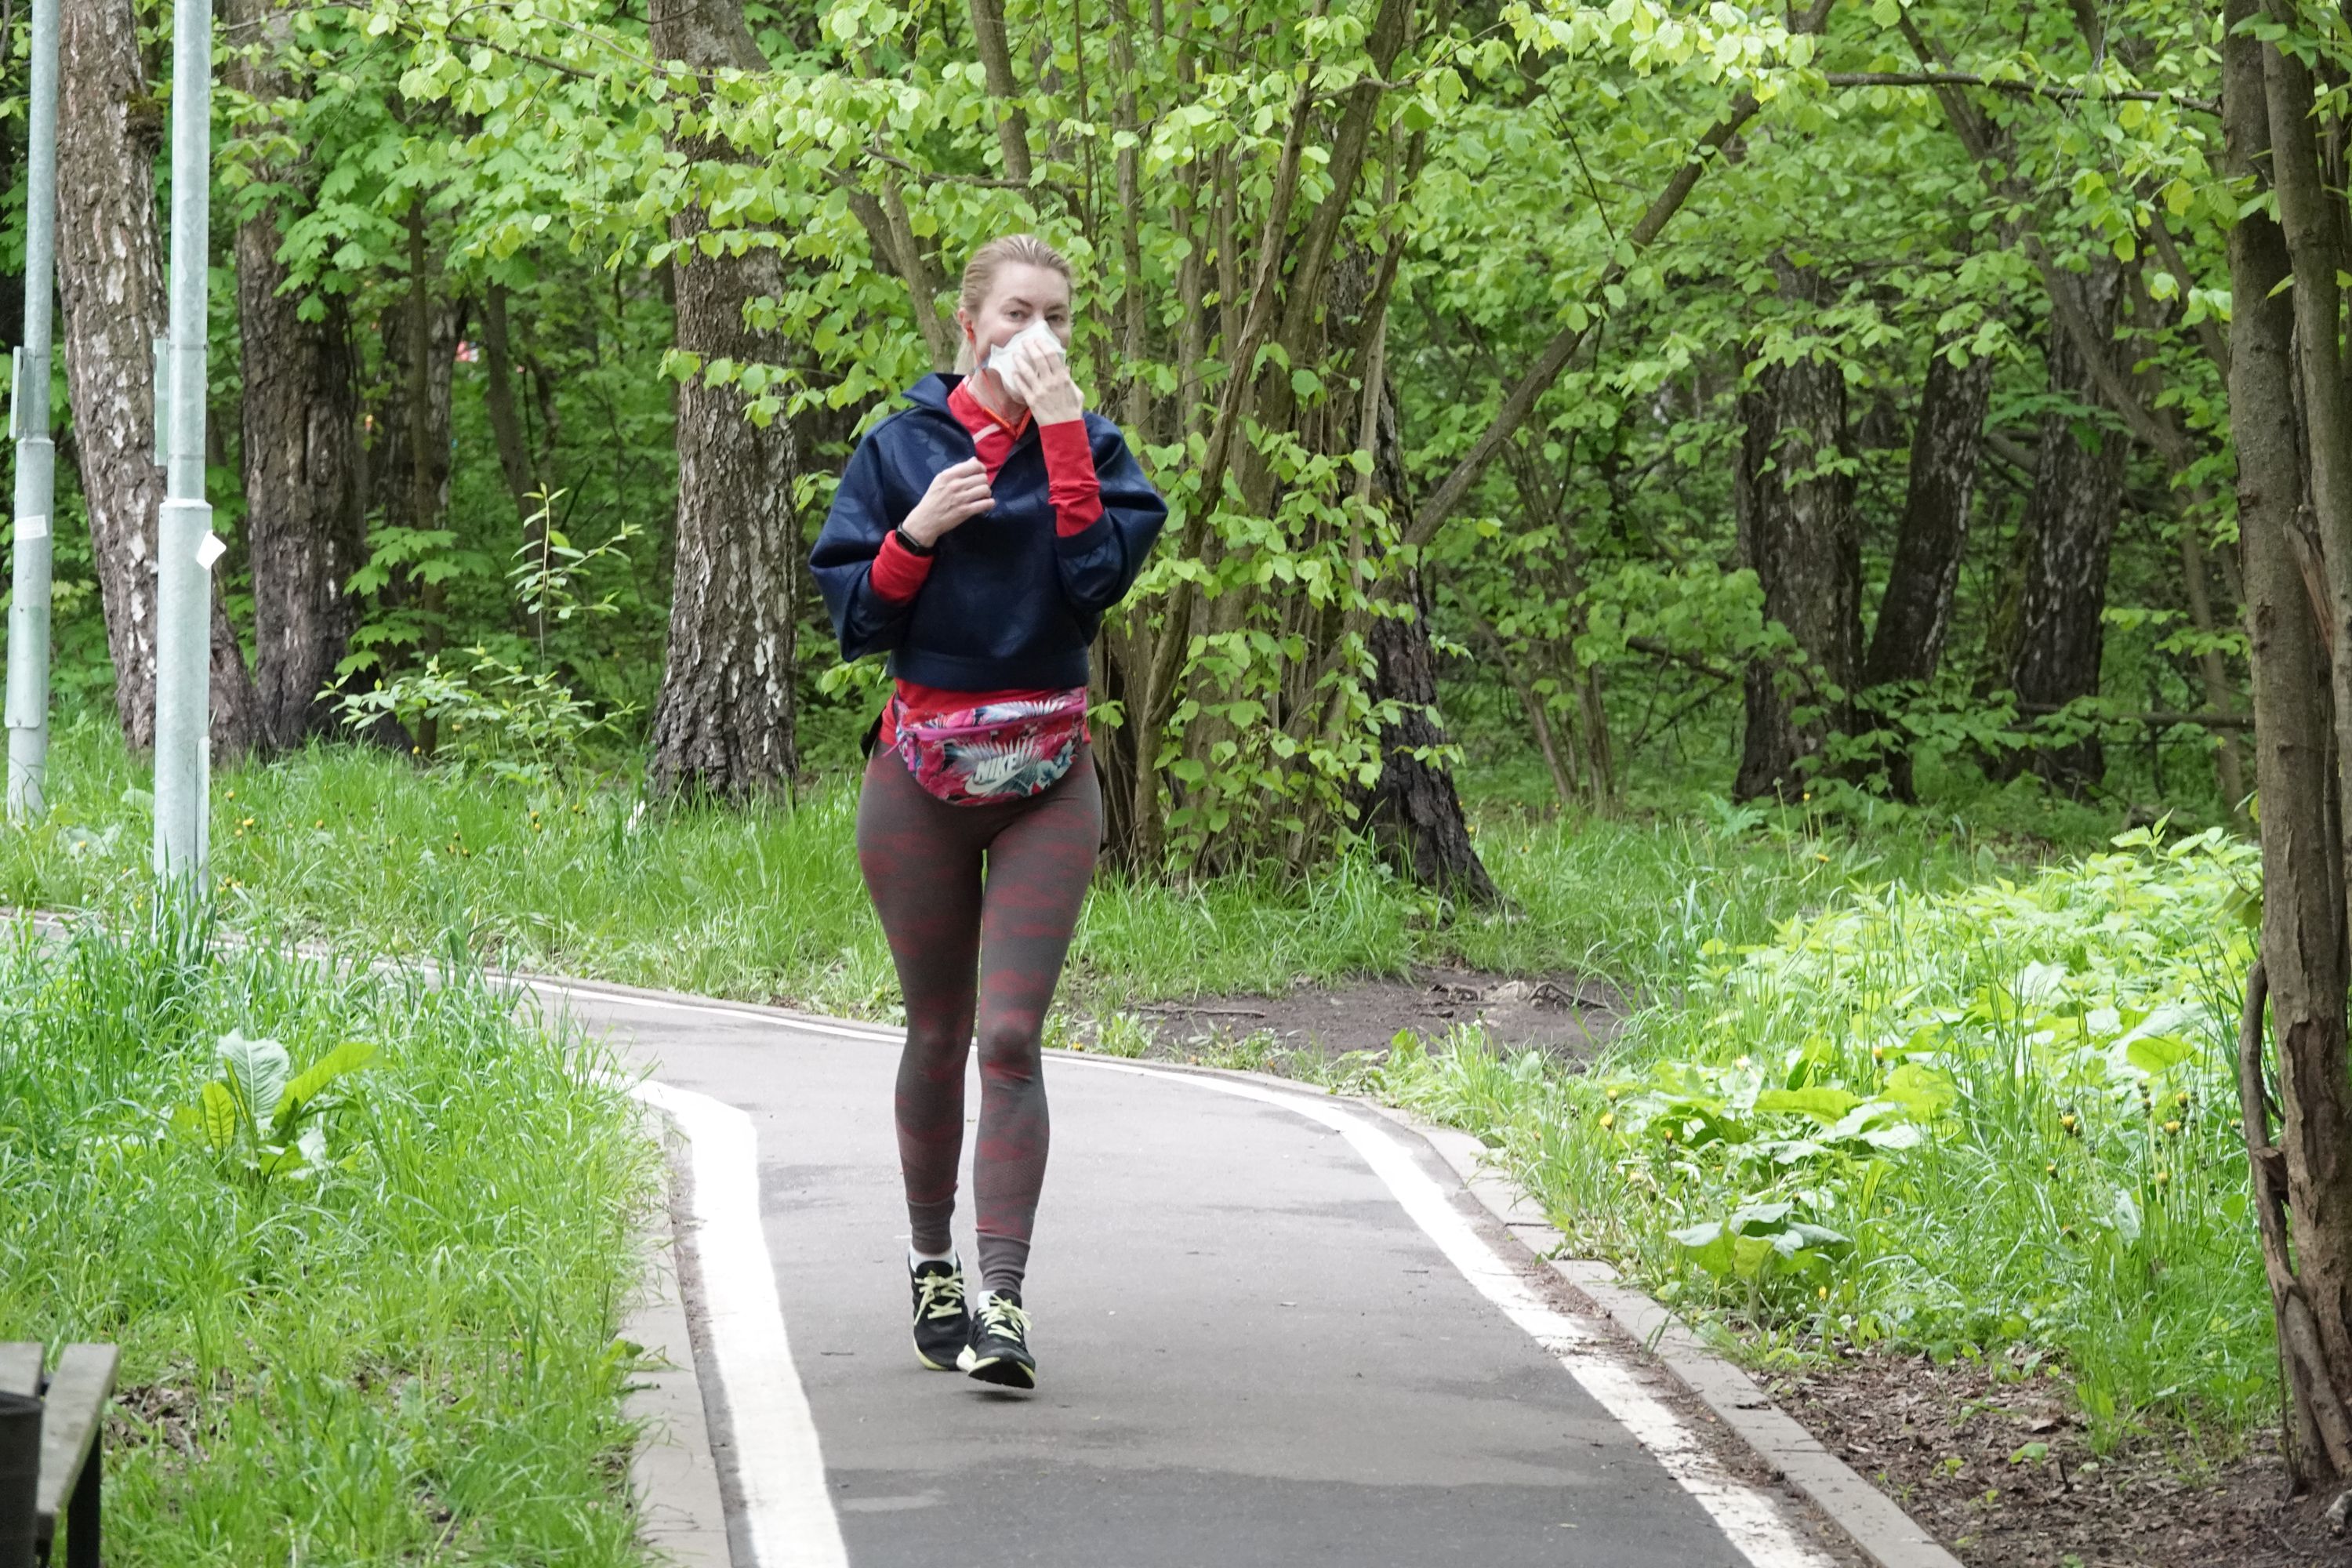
x=931, y=392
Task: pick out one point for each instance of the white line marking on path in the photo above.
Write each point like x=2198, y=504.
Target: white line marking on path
x=1749, y=1520
x=779, y=1467
x=1744, y=1514
x=875, y=1034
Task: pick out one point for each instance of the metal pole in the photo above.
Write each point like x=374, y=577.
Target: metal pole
x=28, y=611
x=184, y=546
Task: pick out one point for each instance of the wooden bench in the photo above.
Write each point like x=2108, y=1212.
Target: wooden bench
x=74, y=1398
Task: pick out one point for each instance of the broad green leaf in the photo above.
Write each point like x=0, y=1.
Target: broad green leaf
x=216, y=1115
x=1821, y=1103
x=2123, y=1215
x=347, y=1058
x=2154, y=1054
x=1923, y=1091
x=257, y=1071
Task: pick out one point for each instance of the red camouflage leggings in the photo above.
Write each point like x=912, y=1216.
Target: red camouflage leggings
x=973, y=949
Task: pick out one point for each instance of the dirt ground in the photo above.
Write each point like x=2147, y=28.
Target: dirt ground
x=1563, y=1014
x=1940, y=1442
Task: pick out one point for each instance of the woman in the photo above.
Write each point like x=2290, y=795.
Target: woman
x=978, y=537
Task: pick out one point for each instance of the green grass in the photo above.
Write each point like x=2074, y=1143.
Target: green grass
x=765, y=904
x=1998, y=1120
x=1763, y=949
x=406, y=1355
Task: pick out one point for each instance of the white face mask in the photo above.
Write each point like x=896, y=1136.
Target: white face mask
x=1034, y=338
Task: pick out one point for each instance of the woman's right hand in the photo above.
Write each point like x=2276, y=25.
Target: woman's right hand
x=957, y=495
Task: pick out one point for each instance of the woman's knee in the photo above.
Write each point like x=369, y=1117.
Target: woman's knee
x=1011, y=1046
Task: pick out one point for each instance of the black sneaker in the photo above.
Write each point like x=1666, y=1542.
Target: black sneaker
x=999, y=1350
x=942, y=1321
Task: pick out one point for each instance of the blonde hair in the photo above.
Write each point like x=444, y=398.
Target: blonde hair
x=979, y=275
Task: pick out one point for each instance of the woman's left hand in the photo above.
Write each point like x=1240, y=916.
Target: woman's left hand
x=1042, y=382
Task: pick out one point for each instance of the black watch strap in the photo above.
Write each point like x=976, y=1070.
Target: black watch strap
x=907, y=541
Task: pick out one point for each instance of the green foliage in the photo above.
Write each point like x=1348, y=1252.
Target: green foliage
x=405, y=1354
x=1996, y=1120
x=497, y=718
x=262, y=1119
x=1509, y=157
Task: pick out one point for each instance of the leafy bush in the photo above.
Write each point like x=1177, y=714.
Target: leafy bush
x=493, y=716
x=1996, y=1118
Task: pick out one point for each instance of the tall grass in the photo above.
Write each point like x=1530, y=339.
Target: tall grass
x=765, y=903
x=1997, y=1120
x=406, y=1354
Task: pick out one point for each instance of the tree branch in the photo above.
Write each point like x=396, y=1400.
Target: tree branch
x=2023, y=89
x=1520, y=401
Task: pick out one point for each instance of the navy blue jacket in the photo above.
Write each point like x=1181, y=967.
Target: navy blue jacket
x=1008, y=604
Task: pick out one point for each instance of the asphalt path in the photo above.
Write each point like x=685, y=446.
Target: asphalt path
x=1271, y=1329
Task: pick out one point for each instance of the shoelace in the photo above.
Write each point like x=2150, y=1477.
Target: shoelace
x=942, y=1295
x=997, y=1315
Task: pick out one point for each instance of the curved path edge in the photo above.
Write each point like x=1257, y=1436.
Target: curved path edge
x=1880, y=1530
x=1877, y=1526
x=793, y=1521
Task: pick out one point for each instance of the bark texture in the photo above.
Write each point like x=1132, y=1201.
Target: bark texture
x=2294, y=438
x=2070, y=526
x=390, y=484
x=1413, y=809
x=724, y=723
x=1916, y=611
x=111, y=284
x=1796, y=530
x=305, y=528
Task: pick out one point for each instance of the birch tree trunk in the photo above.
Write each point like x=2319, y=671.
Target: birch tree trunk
x=110, y=283
x=1794, y=502
x=724, y=723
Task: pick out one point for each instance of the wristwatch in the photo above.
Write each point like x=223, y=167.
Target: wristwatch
x=908, y=543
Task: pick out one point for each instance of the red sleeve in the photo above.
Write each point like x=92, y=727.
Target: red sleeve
x=898, y=571
x=1070, y=477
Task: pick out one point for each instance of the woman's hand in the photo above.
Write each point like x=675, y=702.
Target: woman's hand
x=1043, y=381
x=957, y=495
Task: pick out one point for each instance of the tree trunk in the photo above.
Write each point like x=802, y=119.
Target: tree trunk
x=305, y=528
x=1794, y=502
x=523, y=479
x=724, y=723
x=110, y=282
x=1916, y=611
x=995, y=51
x=2070, y=526
x=428, y=454
x=1413, y=809
x=506, y=417
x=2283, y=365
x=390, y=475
